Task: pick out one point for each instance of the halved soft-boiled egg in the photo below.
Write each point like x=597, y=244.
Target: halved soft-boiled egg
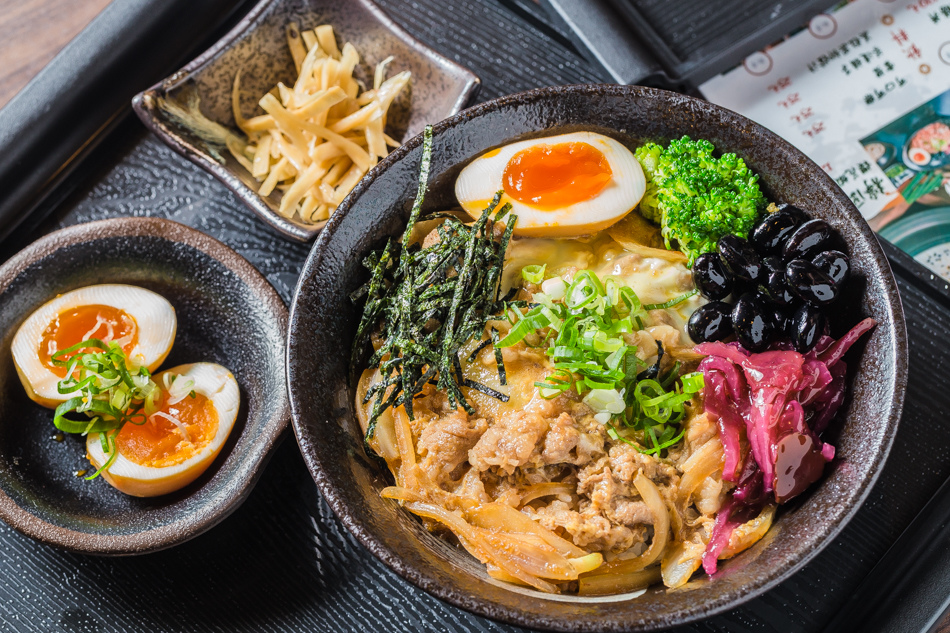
x=199, y=404
x=142, y=322
x=559, y=186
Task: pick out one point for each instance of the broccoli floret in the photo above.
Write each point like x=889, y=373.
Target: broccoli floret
x=695, y=197
x=649, y=157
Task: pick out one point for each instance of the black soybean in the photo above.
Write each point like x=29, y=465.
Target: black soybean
x=773, y=263
x=780, y=321
x=810, y=284
x=776, y=291
x=752, y=321
x=711, y=322
x=740, y=258
x=798, y=214
x=808, y=240
x=805, y=327
x=770, y=235
x=711, y=277
x=835, y=264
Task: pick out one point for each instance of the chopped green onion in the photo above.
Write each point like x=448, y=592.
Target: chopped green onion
x=672, y=302
x=108, y=394
x=554, y=288
x=631, y=300
x=582, y=328
x=534, y=273
x=530, y=323
x=609, y=400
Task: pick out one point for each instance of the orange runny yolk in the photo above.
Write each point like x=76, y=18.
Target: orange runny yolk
x=160, y=442
x=555, y=176
x=84, y=322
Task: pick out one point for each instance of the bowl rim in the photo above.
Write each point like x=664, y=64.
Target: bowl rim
x=188, y=525
x=485, y=608
x=145, y=106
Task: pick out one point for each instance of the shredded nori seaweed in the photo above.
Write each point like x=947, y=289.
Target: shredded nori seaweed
x=651, y=373
x=427, y=302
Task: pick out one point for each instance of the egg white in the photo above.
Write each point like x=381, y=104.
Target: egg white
x=479, y=181
x=154, y=318
x=212, y=381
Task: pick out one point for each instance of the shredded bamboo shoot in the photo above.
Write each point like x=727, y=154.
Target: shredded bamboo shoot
x=322, y=108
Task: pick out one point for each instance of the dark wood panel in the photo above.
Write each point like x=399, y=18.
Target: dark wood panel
x=33, y=31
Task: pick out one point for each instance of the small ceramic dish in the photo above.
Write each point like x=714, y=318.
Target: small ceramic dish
x=322, y=401
x=257, y=47
x=227, y=313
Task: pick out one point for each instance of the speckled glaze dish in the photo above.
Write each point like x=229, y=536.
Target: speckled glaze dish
x=227, y=313
x=322, y=395
x=257, y=47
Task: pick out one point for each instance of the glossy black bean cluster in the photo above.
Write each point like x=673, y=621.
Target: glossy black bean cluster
x=780, y=280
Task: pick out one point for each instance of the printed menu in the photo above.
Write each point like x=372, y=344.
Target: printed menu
x=864, y=91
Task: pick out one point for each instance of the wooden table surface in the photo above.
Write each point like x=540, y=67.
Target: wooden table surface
x=32, y=32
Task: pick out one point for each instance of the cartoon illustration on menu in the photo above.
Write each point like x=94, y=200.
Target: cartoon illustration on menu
x=914, y=152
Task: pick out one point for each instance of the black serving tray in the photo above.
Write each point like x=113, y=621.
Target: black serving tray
x=673, y=44
x=283, y=562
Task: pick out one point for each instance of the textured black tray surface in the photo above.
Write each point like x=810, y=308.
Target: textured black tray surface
x=282, y=562
x=696, y=40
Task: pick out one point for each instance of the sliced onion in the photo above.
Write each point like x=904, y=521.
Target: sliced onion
x=546, y=489
x=700, y=465
x=384, y=437
x=749, y=533
x=110, y=331
x=127, y=339
x=400, y=494
x=500, y=574
x=532, y=559
x=499, y=517
x=661, y=518
x=407, y=453
x=607, y=584
x=477, y=545
x=588, y=563
x=680, y=562
x=180, y=390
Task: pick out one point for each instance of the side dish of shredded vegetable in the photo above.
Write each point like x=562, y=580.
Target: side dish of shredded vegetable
x=323, y=133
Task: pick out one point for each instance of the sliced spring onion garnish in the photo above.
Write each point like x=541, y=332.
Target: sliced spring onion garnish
x=672, y=302
x=534, y=273
x=582, y=331
x=109, y=393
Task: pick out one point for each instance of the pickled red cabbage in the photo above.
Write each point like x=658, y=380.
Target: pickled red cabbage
x=784, y=400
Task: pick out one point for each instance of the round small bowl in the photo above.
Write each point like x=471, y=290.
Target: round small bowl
x=227, y=313
x=323, y=390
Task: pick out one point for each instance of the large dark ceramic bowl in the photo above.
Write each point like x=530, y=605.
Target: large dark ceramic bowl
x=323, y=320
x=227, y=313
x=257, y=47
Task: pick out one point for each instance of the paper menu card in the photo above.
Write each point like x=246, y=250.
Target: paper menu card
x=829, y=88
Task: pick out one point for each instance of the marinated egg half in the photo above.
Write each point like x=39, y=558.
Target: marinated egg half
x=177, y=443
x=559, y=186
x=142, y=322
